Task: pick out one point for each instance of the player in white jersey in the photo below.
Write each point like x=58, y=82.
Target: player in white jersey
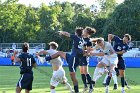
x=109, y=58
x=58, y=71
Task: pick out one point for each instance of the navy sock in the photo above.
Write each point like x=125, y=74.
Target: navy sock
x=108, y=80
x=84, y=79
x=122, y=81
x=48, y=58
x=89, y=80
x=76, y=89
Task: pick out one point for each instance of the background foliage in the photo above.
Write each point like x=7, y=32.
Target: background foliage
x=19, y=23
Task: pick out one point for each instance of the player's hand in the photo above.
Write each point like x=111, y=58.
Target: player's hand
x=60, y=32
x=85, y=53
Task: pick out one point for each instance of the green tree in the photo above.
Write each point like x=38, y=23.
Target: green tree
x=125, y=19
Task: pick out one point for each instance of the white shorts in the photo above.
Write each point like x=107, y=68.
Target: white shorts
x=58, y=77
x=108, y=60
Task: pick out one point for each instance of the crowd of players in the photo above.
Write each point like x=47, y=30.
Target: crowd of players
x=110, y=61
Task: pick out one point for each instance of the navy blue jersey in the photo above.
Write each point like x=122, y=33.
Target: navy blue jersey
x=87, y=42
x=78, y=43
x=119, y=45
x=26, y=64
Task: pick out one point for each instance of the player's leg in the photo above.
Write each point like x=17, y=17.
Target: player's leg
x=52, y=89
x=19, y=84
x=100, y=65
x=18, y=89
x=64, y=80
x=27, y=91
x=111, y=74
x=97, y=70
x=88, y=77
x=104, y=82
x=60, y=53
x=73, y=63
x=114, y=76
x=67, y=85
x=83, y=76
x=54, y=82
x=29, y=79
x=121, y=67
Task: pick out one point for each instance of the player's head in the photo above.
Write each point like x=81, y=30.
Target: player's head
x=25, y=47
x=88, y=31
x=53, y=45
x=79, y=31
x=100, y=42
x=126, y=38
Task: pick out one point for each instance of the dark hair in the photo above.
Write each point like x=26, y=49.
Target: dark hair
x=25, y=47
x=90, y=30
x=128, y=36
x=79, y=31
x=54, y=45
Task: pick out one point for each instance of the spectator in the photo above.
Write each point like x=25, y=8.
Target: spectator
x=14, y=46
x=131, y=45
x=12, y=60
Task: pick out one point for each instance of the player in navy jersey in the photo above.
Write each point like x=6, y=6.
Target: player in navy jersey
x=87, y=32
x=120, y=47
x=74, y=58
x=27, y=62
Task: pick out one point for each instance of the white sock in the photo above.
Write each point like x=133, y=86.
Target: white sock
x=68, y=86
x=52, y=90
x=105, y=78
x=107, y=87
x=114, y=77
x=122, y=88
x=97, y=77
x=96, y=72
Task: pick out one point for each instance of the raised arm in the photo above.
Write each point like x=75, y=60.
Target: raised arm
x=42, y=52
x=64, y=33
x=110, y=37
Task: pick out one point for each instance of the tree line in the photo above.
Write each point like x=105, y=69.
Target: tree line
x=20, y=23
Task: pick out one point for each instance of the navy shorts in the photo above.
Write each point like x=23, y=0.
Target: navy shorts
x=83, y=61
x=121, y=64
x=73, y=62
x=25, y=81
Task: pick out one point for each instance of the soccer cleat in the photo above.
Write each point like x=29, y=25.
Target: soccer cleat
x=123, y=91
x=115, y=87
x=128, y=87
x=85, y=89
x=90, y=91
x=72, y=91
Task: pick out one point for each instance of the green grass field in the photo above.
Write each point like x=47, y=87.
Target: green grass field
x=9, y=76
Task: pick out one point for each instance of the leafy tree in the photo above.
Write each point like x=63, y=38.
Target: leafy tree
x=125, y=19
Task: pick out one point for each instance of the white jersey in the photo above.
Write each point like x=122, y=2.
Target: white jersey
x=108, y=49
x=110, y=56
x=56, y=61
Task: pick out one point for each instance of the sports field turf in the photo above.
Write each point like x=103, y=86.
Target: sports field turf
x=9, y=76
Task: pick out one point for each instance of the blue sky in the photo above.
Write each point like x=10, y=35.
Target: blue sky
x=36, y=3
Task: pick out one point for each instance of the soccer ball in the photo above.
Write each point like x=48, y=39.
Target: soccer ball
x=95, y=8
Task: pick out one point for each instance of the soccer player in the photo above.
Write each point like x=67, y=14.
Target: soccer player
x=109, y=59
x=87, y=32
x=74, y=58
x=27, y=62
x=58, y=71
x=121, y=46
